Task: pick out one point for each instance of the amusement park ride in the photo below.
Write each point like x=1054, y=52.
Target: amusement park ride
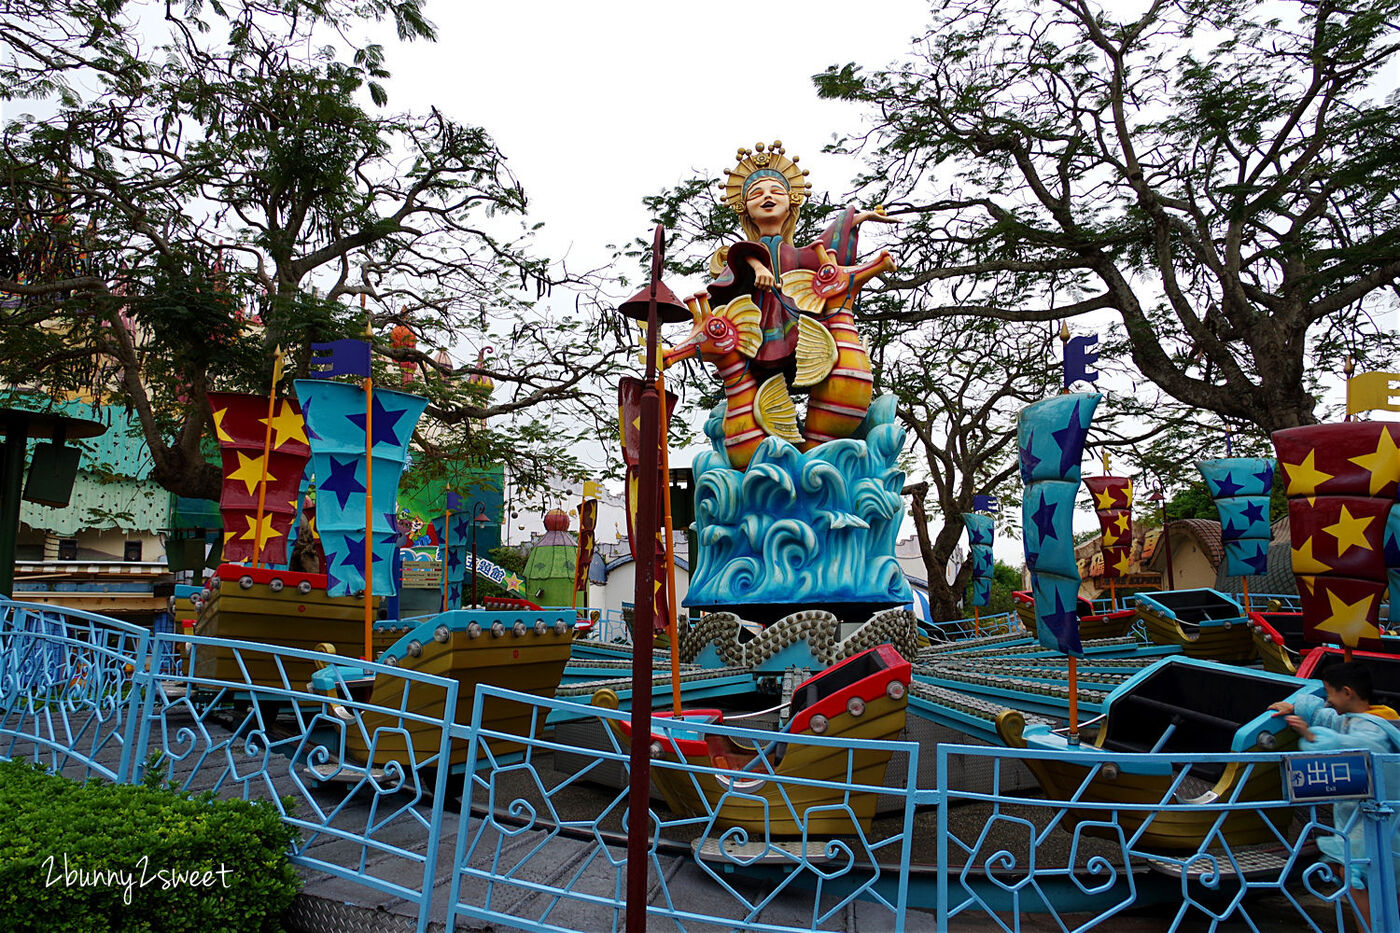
x=800, y=598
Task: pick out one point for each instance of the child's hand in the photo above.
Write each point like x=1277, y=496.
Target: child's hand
x=1282, y=708
x=1300, y=725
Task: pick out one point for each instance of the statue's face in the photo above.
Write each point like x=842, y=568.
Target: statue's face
x=767, y=204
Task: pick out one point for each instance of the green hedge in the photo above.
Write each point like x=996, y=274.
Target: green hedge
x=138, y=858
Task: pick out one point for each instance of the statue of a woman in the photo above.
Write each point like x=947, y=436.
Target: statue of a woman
x=767, y=189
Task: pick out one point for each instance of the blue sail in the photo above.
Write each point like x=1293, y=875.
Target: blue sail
x=456, y=548
x=1050, y=437
x=980, y=534
x=1241, y=487
x=335, y=426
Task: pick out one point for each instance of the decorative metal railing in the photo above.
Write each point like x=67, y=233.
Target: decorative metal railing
x=769, y=847
x=79, y=695
x=838, y=842
x=1142, y=830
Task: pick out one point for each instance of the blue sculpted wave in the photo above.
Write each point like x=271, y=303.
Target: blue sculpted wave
x=801, y=528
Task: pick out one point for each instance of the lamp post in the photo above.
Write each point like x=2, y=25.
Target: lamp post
x=654, y=304
x=1160, y=496
x=479, y=518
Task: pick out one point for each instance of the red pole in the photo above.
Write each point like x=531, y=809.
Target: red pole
x=644, y=602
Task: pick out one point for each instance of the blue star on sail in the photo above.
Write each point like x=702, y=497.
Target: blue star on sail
x=385, y=421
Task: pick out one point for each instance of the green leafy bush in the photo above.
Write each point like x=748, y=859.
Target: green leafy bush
x=117, y=858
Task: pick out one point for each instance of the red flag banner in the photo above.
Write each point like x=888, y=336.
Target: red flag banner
x=629, y=408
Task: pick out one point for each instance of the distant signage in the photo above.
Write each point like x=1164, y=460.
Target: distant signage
x=1333, y=776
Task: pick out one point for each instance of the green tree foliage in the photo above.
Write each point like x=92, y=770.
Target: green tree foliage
x=1220, y=177
x=215, y=180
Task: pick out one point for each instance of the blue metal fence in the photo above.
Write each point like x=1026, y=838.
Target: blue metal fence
x=709, y=864
x=78, y=693
x=1229, y=850
x=540, y=843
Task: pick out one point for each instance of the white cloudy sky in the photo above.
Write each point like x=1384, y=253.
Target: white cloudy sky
x=598, y=104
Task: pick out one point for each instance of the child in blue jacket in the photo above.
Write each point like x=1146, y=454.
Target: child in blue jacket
x=1347, y=719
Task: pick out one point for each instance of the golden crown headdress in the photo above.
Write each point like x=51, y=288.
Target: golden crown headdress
x=760, y=162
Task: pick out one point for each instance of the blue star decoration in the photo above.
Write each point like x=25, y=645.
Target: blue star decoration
x=385, y=423
x=1229, y=532
x=1029, y=461
x=1227, y=487
x=306, y=420
x=454, y=559
x=1391, y=547
x=1071, y=440
x=342, y=482
x=354, y=556
x=1254, y=511
x=1064, y=623
x=1266, y=478
x=1044, y=519
x=1259, y=560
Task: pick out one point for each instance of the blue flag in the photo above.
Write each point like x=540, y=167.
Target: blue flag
x=454, y=502
x=984, y=503
x=348, y=357
x=1078, y=360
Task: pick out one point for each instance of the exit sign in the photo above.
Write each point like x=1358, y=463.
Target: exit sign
x=1331, y=776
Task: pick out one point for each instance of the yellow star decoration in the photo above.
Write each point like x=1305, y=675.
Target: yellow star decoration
x=1122, y=522
x=259, y=536
x=1128, y=495
x=1304, y=562
x=1383, y=464
x=1105, y=500
x=1304, y=478
x=1123, y=565
x=1349, y=621
x=219, y=424
x=1350, y=532
x=513, y=583
x=286, y=425
x=250, y=471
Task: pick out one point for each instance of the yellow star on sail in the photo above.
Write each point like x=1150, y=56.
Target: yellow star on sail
x=286, y=425
x=1304, y=562
x=1383, y=464
x=1122, y=522
x=1123, y=565
x=219, y=424
x=1304, y=478
x=250, y=471
x=1350, y=532
x=1104, y=499
x=259, y=535
x=1349, y=621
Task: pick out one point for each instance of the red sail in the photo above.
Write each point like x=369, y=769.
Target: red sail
x=1342, y=482
x=242, y=427
x=1113, y=501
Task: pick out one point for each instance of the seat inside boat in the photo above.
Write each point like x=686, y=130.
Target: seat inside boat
x=1197, y=606
x=1385, y=674
x=1190, y=709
